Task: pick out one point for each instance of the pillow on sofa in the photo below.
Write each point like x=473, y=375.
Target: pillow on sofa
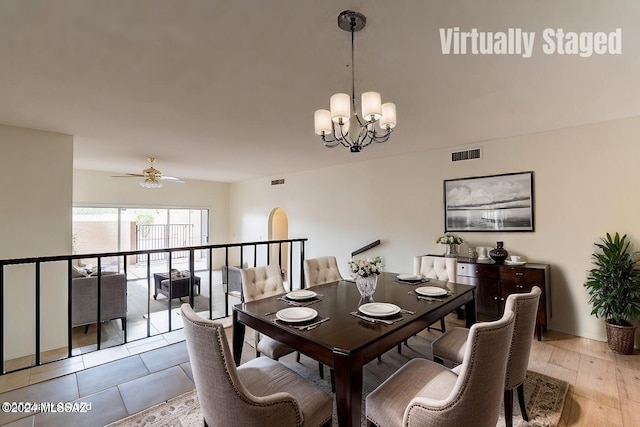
x=86, y=271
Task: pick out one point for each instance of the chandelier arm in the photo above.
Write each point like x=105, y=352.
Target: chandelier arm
x=344, y=139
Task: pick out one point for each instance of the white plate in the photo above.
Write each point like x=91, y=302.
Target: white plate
x=431, y=291
x=379, y=309
x=301, y=294
x=514, y=262
x=409, y=277
x=296, y=314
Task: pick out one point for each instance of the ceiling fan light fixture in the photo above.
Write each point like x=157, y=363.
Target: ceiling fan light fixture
x=150, y=183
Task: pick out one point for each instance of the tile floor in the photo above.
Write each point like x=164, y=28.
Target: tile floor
x=604, y=387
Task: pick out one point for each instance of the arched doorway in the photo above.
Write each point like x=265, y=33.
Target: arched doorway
x=279, y=230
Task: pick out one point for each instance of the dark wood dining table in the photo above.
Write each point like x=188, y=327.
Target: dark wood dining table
x=345, y=342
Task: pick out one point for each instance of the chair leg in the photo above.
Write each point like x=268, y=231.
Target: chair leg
x=438, y=360
x=508, y=407
x=442, y=328
x=523, y=406
x=321, y=370
x=400, y=348
x=298, y=357
x=333, y=380
x=86, y=329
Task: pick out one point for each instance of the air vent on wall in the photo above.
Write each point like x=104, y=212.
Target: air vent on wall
x=473, y=153
x=277, y=182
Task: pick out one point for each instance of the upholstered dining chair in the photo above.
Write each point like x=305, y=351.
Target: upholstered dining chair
x=439, y=268
x=451, y=346
x=318, y=271
x=425, y=393
x=261, y=392
x=258, y=283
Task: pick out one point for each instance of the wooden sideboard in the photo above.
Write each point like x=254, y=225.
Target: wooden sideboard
x=495, y=282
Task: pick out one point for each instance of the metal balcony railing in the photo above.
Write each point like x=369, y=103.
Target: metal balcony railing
x=245, y=253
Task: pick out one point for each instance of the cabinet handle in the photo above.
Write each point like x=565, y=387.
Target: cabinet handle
x=477, y=271
x=495, y=298
x=520, y=286
x=519, y=273
x=501, y=299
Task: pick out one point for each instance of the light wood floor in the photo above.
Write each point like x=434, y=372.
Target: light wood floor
x=604, y=387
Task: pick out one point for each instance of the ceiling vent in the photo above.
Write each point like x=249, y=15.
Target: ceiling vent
x=471, y=154
x=277, y=182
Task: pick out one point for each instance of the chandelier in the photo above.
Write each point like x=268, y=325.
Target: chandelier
x=335, y=126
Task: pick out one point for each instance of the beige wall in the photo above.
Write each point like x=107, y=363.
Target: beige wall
x=94, y=188
x=587, y=183
x=35, y=189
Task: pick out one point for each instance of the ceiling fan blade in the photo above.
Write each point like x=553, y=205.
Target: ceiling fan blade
x=172, y=179
x=129, y=175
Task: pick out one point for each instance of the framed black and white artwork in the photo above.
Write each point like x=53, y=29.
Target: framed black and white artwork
x=489, y=203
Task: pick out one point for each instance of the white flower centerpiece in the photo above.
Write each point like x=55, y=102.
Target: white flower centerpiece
x=366, y=271
x=451, y=241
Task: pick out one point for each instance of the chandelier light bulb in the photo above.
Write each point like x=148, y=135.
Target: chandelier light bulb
x=340, y=105
x=322, y=121
x=388, y=119
x=371, y=106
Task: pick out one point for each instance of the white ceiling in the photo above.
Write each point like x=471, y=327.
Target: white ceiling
x=226, y=90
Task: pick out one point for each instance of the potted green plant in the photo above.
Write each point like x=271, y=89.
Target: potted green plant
x=614, y=287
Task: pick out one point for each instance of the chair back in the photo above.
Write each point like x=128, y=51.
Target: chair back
x=525, y=307
x=476, y=397
x=318, y=271
x=223, y=398
x=261, y=282
x=439, y=268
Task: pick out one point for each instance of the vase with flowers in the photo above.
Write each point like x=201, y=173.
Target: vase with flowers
x=451, y=242
x=366, y=271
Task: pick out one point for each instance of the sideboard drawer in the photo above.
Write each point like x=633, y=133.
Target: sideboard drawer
x=521, y=275
x=477, y=270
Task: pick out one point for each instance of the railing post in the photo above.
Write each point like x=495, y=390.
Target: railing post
x=149, y=293
x=98, y=324
x=69, y=305
x=192, y=268
x=37, y=313
x=302, y=284
x=170, y=290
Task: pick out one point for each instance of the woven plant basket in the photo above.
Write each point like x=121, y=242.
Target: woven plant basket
x=620, y=338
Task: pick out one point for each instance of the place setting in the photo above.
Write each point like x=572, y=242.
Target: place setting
x=301, y=298
x=430, y=293
x=411, y=279
x=380, y=312
x=301, y=318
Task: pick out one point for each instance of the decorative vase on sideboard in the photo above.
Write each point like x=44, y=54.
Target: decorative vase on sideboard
x=451, y=250
x=499, y=254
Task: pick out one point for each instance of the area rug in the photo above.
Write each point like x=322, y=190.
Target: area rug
x=544, y=395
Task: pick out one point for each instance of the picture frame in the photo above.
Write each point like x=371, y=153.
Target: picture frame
x=502, y=202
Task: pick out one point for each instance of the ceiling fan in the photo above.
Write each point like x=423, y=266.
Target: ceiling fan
x=152, y=176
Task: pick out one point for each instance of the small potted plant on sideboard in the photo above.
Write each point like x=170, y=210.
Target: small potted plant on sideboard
x=614, y=287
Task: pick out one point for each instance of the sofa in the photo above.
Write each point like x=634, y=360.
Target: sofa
x=232, y=281
x=84, y=304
